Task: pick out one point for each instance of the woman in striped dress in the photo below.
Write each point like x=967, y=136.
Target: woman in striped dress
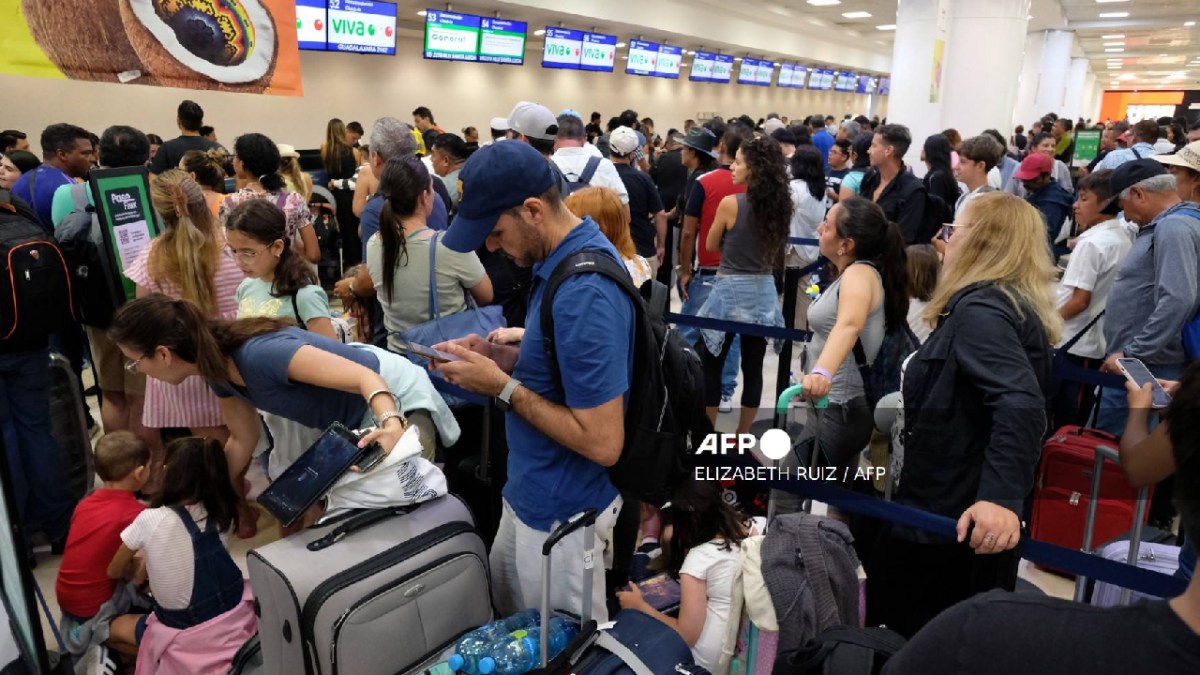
x=187, y=262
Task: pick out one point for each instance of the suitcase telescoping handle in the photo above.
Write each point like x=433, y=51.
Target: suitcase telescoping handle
x=584, y=519
x=781, y=411
x=1106, y=453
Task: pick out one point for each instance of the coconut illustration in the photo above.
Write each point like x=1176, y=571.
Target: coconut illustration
x=228, y=45
x=85, y=40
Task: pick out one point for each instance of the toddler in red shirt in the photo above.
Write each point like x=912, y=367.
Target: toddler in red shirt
x=91, y=611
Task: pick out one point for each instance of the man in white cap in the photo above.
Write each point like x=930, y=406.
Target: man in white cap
x=648, y=219
x=499, y=128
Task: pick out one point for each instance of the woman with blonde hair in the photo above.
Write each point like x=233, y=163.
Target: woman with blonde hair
x=974, y=416
x=340, y=161
x=186, y=262
x=604, y=206
x=293, y=178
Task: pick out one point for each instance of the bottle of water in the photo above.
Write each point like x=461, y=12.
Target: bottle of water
x=477, y=644
x=522, y=653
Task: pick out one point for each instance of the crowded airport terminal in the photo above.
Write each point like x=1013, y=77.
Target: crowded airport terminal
x=781, y=337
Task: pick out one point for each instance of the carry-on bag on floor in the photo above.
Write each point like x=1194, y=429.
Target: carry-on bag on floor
x=1132, y=546
x=635, y=644
x=1162, y=558
x=1063, y=491
x=68, y=425
x=379, y=593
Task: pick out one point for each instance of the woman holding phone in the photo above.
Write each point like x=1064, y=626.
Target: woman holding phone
x=306, y=380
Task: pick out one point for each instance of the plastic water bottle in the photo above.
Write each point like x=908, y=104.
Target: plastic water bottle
x=477, y=644
x=521, y=654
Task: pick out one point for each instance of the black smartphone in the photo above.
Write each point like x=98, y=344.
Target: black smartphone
x=430, y=353
x=311, y=476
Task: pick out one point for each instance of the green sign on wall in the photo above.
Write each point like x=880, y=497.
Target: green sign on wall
x=1087, y=146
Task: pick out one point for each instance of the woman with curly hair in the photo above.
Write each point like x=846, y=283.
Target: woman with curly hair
x=750, y=230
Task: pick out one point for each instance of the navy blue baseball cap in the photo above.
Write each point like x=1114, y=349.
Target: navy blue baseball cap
x=495, y=179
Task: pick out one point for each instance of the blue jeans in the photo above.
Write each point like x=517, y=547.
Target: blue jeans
x=34, y=458
x=698, y=290
x=1114, y=404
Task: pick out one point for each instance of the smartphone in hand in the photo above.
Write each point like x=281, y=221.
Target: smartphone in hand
x=430, y=353
x=1136, y=372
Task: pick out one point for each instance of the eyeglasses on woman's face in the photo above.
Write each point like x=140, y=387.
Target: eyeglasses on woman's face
x=245, y=254
x=948, y=229
x=132, y=366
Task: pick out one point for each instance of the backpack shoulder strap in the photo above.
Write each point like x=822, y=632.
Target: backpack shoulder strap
x=589, y=170
x=1135, y=152
x=79, y=198
x=296, y=309
x=582, y=262
x=1079, y=336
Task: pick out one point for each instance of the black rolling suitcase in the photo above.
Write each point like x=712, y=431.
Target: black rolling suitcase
x=68, y=425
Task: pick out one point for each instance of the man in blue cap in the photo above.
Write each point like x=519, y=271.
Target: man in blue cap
x=564, y=431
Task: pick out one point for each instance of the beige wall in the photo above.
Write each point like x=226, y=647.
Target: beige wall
x=366, y=87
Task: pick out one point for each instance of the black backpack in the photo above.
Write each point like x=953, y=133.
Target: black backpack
x=665, y=418
x=843, y=650
x=97, y=295
x=35, y=286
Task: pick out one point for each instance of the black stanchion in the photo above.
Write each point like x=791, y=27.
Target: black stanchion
x=791, y=281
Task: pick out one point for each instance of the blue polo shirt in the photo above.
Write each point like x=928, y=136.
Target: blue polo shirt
x=48, y=180
x=594, y=330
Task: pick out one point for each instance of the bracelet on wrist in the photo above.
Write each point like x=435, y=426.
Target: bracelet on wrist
x=381, y=420
x=823, y=373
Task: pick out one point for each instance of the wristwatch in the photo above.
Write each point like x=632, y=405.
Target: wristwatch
x=504, y=400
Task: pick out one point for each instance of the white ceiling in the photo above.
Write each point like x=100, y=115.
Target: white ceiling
x=1160, y=52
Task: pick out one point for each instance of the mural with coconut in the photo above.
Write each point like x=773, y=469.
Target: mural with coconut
x=226, y=45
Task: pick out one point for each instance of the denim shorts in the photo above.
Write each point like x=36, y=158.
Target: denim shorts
x=744, y=298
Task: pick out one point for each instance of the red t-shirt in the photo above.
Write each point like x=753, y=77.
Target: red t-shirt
x=718, y=184
x=83, y=584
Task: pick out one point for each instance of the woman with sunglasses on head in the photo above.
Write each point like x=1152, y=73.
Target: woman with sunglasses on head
x=185, y=262
x=974, y=416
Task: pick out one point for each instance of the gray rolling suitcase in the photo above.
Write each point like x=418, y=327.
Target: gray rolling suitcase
x=383, y=592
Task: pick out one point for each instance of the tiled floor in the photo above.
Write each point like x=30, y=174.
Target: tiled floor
x=47, y=567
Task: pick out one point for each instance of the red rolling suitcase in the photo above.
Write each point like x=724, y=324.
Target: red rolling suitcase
x=1064, y=487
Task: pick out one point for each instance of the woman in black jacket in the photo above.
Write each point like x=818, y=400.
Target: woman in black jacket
x=974, y=416
x=939, y=178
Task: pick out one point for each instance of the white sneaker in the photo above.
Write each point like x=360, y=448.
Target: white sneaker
x=103, y=664
x=726, y=405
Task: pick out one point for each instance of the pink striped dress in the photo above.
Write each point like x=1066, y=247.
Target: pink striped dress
x=189, y=404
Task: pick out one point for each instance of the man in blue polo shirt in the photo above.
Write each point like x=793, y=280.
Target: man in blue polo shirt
x=67, y=154
x=561, y=433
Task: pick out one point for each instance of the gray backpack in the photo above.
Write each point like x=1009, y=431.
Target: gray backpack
x=811, y=571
